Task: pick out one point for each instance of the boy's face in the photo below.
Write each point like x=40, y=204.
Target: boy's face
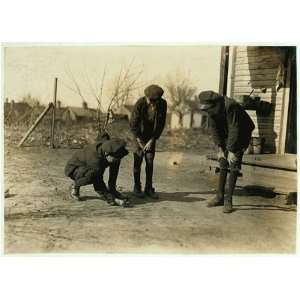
x=215, y=110
x=152, y=101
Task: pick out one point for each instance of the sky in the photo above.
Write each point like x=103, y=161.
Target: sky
x=32, y=69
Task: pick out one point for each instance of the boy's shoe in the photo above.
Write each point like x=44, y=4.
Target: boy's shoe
x=74, y=192
x=121, y=199
x=137, y=191
x=106, y=196
x=150, y=192
x=118, y=195
x=227, y=209
x=123, y=203
x=216, y=201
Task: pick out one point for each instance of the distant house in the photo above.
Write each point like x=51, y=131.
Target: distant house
x=78, y=114
x=15, y=110
x=193, y=119
x=124, y=111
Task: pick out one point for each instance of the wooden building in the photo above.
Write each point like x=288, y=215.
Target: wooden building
x=268, y=73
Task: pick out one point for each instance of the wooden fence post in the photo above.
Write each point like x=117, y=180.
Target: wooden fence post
x=38, y=120
x=53, y=114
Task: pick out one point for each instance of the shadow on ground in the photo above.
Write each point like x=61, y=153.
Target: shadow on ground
x=176, y=197
x=256, y=190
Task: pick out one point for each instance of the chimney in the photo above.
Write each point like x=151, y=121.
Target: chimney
x=84, y=105
x=12, y=102
x=59, y=104
x=6, y=100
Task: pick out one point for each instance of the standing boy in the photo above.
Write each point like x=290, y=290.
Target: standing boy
x=147, y=123
x=231, y=130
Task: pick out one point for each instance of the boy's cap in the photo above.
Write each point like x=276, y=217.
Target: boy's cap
x=153, y=92
x=208, y=99
x=115, y=147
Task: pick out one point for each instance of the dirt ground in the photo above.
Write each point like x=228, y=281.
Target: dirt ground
x=41, y=218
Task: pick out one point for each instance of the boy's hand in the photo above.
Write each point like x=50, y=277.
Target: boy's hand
x=220, y=154
x=148, y=145
x=140, y=143
x=232, y=158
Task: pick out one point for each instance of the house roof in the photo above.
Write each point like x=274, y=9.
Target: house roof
x=19, y=108
x=82, y=112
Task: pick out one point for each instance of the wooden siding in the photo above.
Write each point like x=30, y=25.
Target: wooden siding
x=256, y=68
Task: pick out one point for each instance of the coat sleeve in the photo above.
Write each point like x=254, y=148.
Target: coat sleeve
x=161, y=121
x=217, y=133
x=234, y=127
x=135, y=121
x=102, y=185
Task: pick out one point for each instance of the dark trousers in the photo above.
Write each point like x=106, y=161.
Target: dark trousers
x=234, y=168
x=138, y=156
x=138, y=160
x=85, y=176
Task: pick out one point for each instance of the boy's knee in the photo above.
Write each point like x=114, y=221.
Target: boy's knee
x=235, y=167
x=90, y=174
x=223, y=163
x=149, y=157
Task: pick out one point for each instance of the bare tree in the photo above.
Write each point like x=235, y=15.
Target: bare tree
x=95, y=88
x=122, y=88
x=180, y=94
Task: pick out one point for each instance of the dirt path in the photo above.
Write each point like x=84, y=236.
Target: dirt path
x=40, y=217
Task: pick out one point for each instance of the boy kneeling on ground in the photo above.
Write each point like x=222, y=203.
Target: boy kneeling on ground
x=87, y=166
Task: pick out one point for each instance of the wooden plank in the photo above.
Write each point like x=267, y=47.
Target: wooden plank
x=250, y=49
x=276, y=58
x=53, y=114
x=246, y=72
x=267, y=129
x=257, y=66
x=255, y=83
x=249, y=89
x=285, y=109
x=233, y=68
x=238, y=91
x=279, y=175
x=255, y=53
x=38, y=120
x=247, y=48
x=285, y=162
x=255, y=77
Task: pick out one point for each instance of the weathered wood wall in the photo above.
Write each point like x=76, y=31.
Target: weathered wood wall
x=256, y=68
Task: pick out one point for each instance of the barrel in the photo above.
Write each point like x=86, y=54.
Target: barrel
x=257, y=144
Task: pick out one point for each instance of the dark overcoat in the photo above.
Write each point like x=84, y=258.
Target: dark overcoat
x=232, y=129
x=91, y=157
x=139, y=116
